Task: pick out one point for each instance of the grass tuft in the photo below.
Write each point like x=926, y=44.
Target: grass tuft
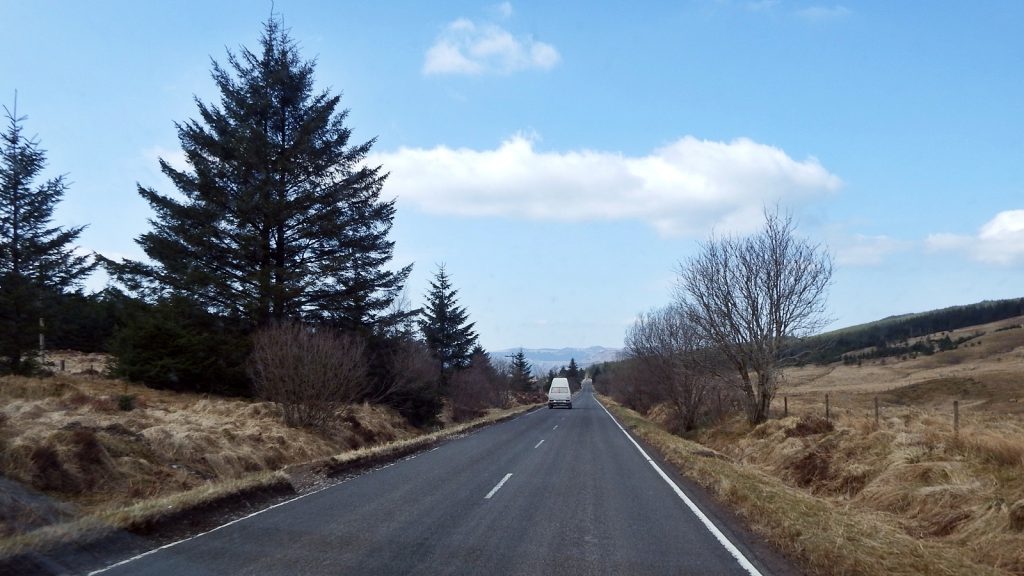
x=828, y=531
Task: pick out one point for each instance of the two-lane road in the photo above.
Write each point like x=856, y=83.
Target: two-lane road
x=551, y=492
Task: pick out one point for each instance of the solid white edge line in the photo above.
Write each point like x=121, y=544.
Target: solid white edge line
x=235, y=521
x=498, y=487
x=539, y=443
x=257, y=513
x=729, y=546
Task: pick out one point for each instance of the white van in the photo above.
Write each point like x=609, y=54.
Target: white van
x=559, y=393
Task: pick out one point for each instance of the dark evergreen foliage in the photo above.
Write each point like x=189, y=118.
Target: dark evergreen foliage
x=177, y=345
x=521, y=371
x=402, y=374
x=38, y=262
x=445, y=326
x=889, y=335
x=84, y=322
x=574, y=374
x=278, y=216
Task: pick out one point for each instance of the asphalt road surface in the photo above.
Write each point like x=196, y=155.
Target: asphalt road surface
x=551, y=492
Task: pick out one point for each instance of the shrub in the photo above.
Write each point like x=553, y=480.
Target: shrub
x=126, y=402
x=310, y=372
x=176, y=345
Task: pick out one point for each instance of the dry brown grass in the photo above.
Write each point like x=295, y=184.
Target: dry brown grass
x=66, y=437
x=995, y=359
x=961, y=491
x=826, y=534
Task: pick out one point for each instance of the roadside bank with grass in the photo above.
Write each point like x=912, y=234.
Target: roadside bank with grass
x=830, y=533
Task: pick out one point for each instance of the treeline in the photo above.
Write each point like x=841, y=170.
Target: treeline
x=573, y=373
x=889, y=336
x=269, y=268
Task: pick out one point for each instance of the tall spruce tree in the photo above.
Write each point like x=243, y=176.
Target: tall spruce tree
x=278, y=216
x=573, y=373
x=38, y=261
x=444, y=326
x=521, y=370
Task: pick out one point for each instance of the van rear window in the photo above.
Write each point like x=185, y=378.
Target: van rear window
x=560, y=389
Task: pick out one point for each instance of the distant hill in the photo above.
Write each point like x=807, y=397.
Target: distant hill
x=893, y=333
x=553, y=358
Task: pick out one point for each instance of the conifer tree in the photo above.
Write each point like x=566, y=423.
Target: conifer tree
x=445, y=326
x=521, y=370
x=277, y=215
x=38, y=261
x=573, y=373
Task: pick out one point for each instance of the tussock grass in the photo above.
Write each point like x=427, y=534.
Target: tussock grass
x=66, y=437
x=870, y=504
x=356, y=458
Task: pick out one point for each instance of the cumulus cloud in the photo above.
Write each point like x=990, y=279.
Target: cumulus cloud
x=824, y=13
x=684, y=188
x=467, y=47
x=999, y=241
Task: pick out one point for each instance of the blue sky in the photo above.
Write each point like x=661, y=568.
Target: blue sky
x=562, y=158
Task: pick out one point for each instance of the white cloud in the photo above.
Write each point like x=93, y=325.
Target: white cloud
x=824, y=13
x=504, y=9
x=684, y=188
x=864, y=250
x=466, y=47
x=999, y=241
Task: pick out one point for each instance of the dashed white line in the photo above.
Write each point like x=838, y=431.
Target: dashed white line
x=729, y=546
x=556, y=427
x=538, y=444
x=498, y=487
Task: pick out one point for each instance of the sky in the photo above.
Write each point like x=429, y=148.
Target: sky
x=563, y=158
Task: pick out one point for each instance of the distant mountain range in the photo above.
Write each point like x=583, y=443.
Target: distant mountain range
x=553, y=358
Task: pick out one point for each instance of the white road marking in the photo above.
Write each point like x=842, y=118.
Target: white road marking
x=257, y=513
x=556, y=427
x=729, y=546
x=498, y=487
x=538, y=444
x=235, y=521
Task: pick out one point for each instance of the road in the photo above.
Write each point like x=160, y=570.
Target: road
x=551, y=492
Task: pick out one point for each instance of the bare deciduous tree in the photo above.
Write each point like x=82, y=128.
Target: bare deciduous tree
x=750, y=297
x=310, y=372
x=672, y=354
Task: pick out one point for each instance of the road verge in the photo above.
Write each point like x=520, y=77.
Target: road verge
x=822, y=537
x=83, y=543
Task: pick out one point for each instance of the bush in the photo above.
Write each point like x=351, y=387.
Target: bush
x=126, y=402
x=311, y=372
x=475, y=388
x=405, y=376
x=176, y=345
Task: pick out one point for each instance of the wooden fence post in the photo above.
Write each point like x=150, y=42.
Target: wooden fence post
x=785, y=406
x=956, y=418
x=876, y=411
x=828, y=413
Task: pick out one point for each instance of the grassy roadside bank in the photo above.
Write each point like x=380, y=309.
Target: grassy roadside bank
x=823, y=535
x=89, y=470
